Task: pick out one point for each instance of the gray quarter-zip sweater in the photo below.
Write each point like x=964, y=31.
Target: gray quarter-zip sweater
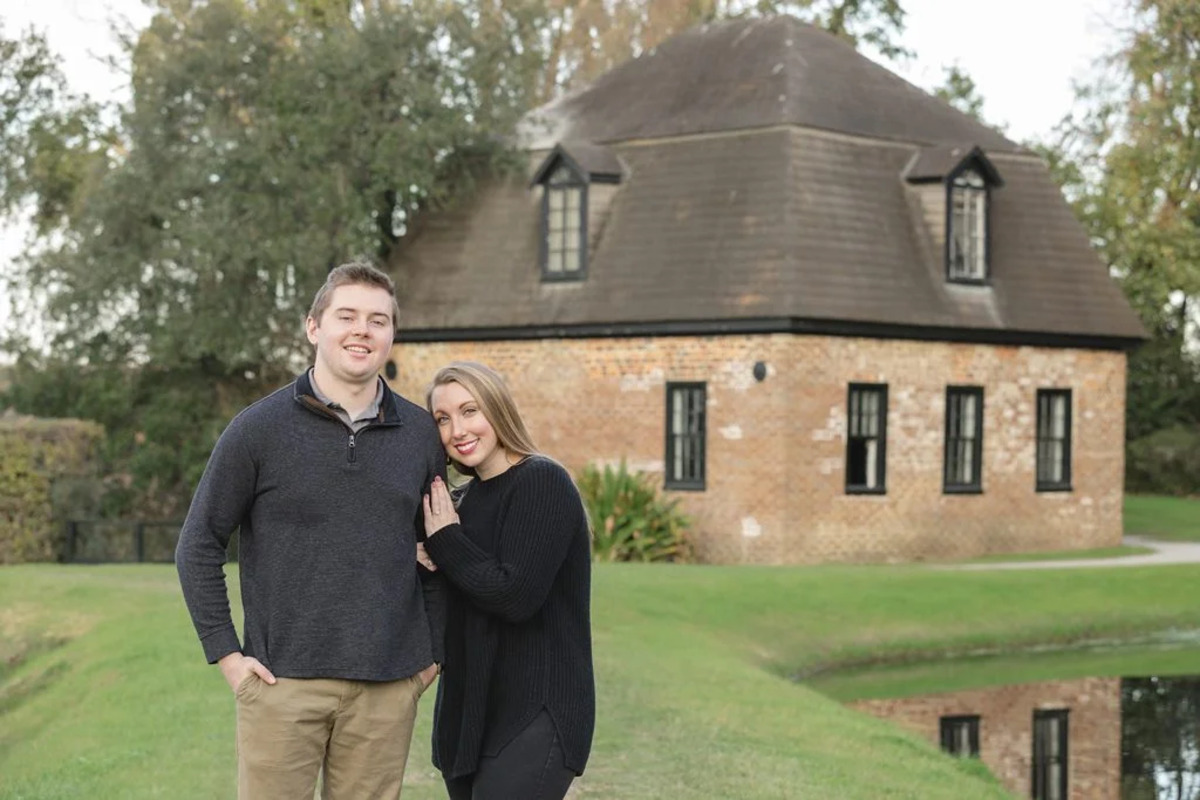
x=329, y=519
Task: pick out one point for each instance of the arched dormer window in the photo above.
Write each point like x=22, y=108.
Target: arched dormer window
x=967, y=228
x=955, y=185
x=564, y=224
x=566, y=177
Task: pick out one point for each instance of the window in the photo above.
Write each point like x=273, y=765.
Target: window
x=866, y=438
x=966, y=239
x=964, y=439
x=1053, y=440
x=564, y=225
x=685, y=435
x=1049, y=781
x=960, y=736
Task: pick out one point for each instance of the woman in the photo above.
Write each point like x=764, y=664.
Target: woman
x=516, y=702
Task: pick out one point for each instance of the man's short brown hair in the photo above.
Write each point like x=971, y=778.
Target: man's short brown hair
x=355, y=273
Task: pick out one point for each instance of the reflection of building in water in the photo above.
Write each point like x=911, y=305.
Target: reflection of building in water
x=1052, y=741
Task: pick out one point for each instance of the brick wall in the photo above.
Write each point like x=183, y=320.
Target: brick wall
x=1006, y=729
x=776, y=448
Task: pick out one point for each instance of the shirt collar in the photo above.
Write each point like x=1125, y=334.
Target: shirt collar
x=370, y=412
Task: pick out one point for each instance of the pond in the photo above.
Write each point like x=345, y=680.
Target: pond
x=1131, y=738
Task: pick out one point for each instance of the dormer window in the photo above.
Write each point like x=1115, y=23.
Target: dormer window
x=567, y=177
x=955, y=186
x=966, y=239
x=564, y=225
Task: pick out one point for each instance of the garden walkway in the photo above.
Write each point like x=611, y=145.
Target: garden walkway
x=1164, y=553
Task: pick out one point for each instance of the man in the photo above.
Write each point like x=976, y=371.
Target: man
x=324, y=479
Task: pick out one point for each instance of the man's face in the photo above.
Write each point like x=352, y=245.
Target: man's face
x=354, y=334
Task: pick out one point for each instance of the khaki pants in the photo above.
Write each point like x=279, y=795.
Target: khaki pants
x=358, y=731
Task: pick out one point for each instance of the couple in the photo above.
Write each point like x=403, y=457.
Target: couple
x=334, y=481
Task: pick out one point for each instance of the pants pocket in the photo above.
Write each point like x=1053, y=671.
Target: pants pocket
x=248, y=688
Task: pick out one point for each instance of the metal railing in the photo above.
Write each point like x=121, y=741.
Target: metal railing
x=101, y=541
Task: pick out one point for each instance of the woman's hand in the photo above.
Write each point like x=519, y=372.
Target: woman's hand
x=424, y=559
x=439, y=508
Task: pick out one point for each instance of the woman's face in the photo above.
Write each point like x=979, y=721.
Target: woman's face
x=466, y=433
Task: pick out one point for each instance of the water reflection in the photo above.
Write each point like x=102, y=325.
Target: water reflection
x=1160, y=739
x=1089, y=739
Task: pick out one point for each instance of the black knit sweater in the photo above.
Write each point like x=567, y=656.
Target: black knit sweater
x=518, y=630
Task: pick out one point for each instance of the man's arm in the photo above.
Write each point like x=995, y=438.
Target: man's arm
x=221, y=501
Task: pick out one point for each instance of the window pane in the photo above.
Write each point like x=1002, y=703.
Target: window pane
x=870, y=413
x=685, y=435
x=554, y=261
x=969, y=177
x=866, y=430
x=967, y=420
x=1054, y=438
x=968, y=231
x=571, y=261
x=1058, y=416
x=872, y=464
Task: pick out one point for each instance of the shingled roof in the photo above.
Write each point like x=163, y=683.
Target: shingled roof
x=792, y=213
x=754, y=73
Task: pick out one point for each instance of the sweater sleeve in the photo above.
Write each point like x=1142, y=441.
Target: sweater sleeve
x=433, y=585
x=543, y=514
x=218, y=507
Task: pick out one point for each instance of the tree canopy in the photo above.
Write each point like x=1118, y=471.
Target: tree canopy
x=1129, y=161
x=265, y=142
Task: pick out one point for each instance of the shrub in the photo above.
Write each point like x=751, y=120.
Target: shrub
x=39, y=462
x=631, y=520
x=1165, y=462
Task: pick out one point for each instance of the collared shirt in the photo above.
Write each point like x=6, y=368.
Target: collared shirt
x=368, y=415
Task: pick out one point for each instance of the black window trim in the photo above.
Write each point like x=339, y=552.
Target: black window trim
x=946, y=725
x=669, y=482
x=1038, y=765
x=882, y=388
x=970, y=164
x=580, y=182
x=963, y=488
x=1065, y=484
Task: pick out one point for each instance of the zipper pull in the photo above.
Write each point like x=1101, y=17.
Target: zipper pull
x=350, y=455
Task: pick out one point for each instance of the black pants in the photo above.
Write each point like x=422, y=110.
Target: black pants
x=530, y=767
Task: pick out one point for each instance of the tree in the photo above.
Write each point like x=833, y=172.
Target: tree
x=47, y=135
x=1130, y=165
x=265, y=142
x=30, y=81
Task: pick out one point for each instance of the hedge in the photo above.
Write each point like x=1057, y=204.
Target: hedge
x=45, y=466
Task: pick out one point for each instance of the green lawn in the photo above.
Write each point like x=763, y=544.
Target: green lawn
x=104, y=693
x=1173, y=518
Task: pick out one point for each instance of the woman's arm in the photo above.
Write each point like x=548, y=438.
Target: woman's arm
x=543, y=517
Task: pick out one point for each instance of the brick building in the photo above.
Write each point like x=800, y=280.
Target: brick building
x=843, y=321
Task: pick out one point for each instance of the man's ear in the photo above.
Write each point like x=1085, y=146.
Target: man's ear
x=310, y=329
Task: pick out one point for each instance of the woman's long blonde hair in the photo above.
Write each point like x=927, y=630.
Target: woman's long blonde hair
x=495, y=401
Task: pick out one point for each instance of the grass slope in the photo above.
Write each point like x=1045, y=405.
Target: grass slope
x=105, y=693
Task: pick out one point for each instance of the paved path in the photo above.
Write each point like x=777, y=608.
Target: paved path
x=1164, y=553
